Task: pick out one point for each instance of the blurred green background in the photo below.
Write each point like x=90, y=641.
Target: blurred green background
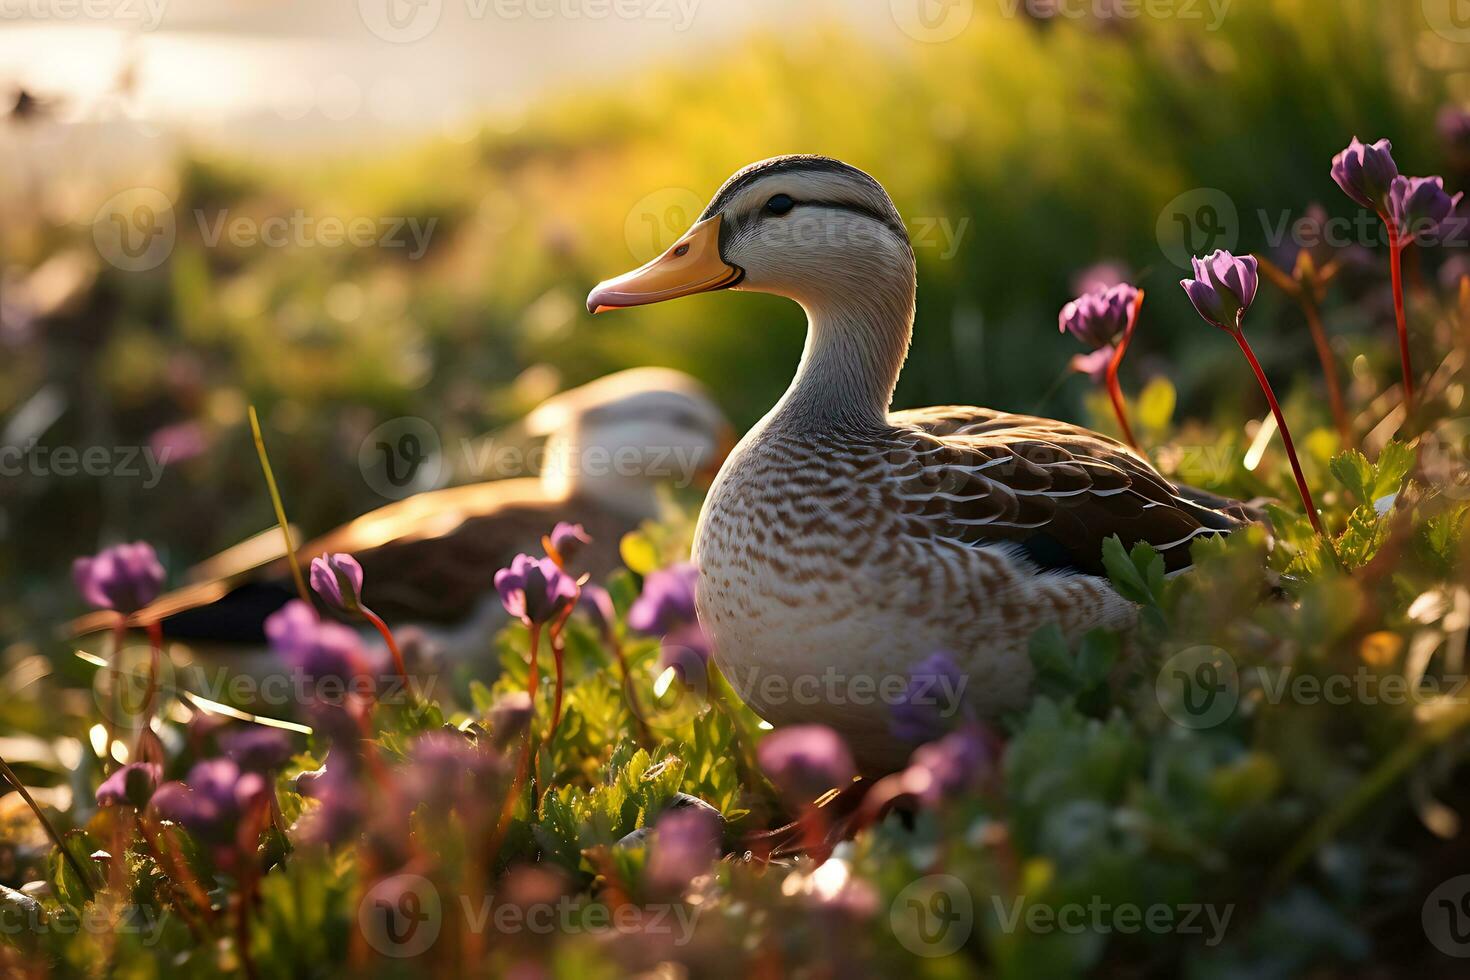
x=1020, y=151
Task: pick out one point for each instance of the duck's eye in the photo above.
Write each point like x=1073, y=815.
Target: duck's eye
x=682, y=250
x=780, y=204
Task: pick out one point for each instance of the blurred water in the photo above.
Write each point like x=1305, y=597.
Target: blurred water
x=281, y=77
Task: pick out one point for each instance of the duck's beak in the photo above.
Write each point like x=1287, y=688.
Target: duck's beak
x=692, y=265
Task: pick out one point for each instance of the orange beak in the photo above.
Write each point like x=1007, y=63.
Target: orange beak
x=691, y=265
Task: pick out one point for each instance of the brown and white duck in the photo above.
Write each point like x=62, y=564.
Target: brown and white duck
x=840, y=536
x=428, y=560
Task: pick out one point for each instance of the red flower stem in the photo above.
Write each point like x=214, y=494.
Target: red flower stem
x=1296, y=467
x=155, y=655
x=119, y=637
x=387, y=635
x=1329, y=368
x=1120, y=409
x=1396, y=271
x=558, y=650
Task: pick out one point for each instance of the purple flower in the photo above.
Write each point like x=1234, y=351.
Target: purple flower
x=178, y=443
x=1417, y=206
x=955, y=763
x=337, y=578
x=257, y=748
x=1453, y=123
x=568, y=539
x=534, y=590
x=1099, y=277
x=1099, y=318
x=597, y=603
x=1223, y=288
x=686, y=843
x=667, y=600
x=686, y=649
x=509, y=716
x=125, y=577
x=804, y=761
x=930, y=702
x=1365, y=172
x=133, y=784
x=1094, y=364
x=339, y=805
x=212, y=801
x=448, y=770
x=315, y=648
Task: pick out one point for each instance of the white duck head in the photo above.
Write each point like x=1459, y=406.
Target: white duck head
x=817, y=231
x=617, y=439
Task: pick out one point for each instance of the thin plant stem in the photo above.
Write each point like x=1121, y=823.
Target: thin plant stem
x=387, y=636
x=558, y=652
x=119, y=637
x=280, y=508
x=1396, y=272
x=1296, y=466
x=25, y=794
x=1120, y=408
x=1329, y=367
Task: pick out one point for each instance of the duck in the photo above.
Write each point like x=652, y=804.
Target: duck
x=842, y=543
x=428, y=560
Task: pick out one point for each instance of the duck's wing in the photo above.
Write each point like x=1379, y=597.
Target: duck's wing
x=429, y=558
x=1054, y=490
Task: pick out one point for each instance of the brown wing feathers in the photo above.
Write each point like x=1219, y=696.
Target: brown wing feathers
x=1055, y=490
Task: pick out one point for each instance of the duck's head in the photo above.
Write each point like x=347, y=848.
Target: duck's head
x=809, y=228
x=619, y=437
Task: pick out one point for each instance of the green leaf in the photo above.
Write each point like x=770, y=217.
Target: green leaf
x=1353, y=471
x=1139, y=575
x=1155, y=405
x=70, y=889
x=1394, y=464
x=1362, y=537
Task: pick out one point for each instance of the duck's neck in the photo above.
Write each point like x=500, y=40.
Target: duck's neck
x=858, y=331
